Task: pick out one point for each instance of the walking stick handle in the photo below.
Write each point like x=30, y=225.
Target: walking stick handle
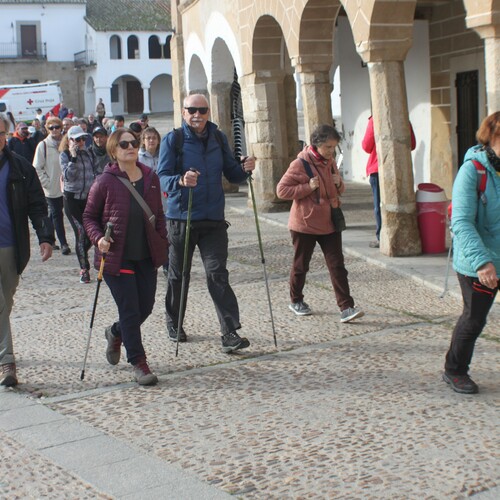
x=109, y=231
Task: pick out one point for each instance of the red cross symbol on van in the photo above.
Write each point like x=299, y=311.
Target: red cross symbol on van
x=30, y=101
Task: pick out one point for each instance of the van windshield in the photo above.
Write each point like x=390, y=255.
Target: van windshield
x=3, y=107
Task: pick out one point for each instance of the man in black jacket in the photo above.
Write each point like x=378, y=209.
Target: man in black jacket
x=21, y=197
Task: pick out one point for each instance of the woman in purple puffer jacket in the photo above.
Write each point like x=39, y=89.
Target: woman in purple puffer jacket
x=136, y=249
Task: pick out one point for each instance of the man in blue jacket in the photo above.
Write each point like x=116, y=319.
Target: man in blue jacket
x=198, y=163
x=21, y=197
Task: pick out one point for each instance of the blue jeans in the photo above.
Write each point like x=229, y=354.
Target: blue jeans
x=134, y=293
x=376, y=203
x=211, y=239
x=56, y=214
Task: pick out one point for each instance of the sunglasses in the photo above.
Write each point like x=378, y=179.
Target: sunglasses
x=192, y=110
x=55, y=127
x=126, y=144
x=79, y=139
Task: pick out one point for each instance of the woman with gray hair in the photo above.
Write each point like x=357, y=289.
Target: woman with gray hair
x=314, y=184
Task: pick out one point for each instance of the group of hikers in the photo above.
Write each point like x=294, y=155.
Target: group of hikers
x=130, y=193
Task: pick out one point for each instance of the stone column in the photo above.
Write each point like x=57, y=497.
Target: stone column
x=263, y=99
x=484, y=18
x=399, y=235
x=316, y=100
x=145, y=93
x=220, y=113
x=492, y=56
x=178, y=66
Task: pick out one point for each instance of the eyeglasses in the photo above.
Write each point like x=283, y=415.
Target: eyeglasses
x=55, y=127
x=79, y=139
x=192, y=110
x=24, y=128
x=125, y=144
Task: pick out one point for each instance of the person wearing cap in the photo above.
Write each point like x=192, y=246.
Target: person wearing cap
x=144, y=121
x=79, y=169
x=98, y=147
x=21, y=143
x=136, y=128
x=48, y=168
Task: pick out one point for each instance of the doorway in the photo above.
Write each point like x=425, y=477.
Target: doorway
x=135, y=97
x=467, y=87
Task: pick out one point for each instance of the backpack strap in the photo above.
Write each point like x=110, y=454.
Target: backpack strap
x=179, y=143
x=482, y=177
x=309, y=172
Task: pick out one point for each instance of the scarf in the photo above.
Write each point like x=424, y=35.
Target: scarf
x=492, y=158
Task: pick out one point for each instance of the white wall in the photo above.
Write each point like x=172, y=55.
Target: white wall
x=356, y=107
x=62, y=27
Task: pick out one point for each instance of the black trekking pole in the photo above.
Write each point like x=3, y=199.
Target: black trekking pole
x=263, y=260
x=107, y=237
x=187, y=234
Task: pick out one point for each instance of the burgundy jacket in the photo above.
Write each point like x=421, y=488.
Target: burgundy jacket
x=109, y=201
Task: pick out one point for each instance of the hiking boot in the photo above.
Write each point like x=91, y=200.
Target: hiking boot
x=300, y=308
x=143, y=374
x=350, y=313
x=172, y=334
x=232, y=342
x=113, y=350
x=461, y=383
x=8, y=375
x=66, y=250
x=84, y=276
x=374, y=244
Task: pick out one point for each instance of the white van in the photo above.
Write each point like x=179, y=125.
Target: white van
x=23, y=100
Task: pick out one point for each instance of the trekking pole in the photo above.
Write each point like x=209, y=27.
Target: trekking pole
x=263, y=260
x=182, y=303
x=447, y=275
x=107, y=237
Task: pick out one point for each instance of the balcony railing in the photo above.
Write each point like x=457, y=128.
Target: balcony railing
x=20, y=51
x=85, y=58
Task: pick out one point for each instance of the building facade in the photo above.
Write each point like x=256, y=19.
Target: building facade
x=117, y=50
x=301, y=63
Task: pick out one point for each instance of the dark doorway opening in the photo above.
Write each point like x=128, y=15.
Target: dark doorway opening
x=467, y=87
x=135, y=97
x=28, y=41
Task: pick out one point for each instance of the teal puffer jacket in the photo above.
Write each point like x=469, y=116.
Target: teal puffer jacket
x=475, y=225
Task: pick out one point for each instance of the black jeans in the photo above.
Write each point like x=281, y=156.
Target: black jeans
x=134, y=293
x=331, y=245
x=56, y=214
x=478, y=300
x=211, y=239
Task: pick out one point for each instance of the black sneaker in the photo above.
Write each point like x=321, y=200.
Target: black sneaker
x=232, y=342
x=113, y=349
x=66, y=250
x=172, y=334
x=461, y=383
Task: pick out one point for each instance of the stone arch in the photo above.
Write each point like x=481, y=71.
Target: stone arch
x=127, y=95
x=160, y=93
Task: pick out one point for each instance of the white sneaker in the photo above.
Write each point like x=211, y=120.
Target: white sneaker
x=351, y=313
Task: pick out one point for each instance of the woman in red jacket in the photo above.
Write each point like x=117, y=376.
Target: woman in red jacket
x=137, y=247
x=311, y=220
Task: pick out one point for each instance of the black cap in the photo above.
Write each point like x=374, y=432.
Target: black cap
x=100, y=130
x=144, y=116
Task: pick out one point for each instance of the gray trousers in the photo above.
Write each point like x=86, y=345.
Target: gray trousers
x=211, y=239
x=9, y=279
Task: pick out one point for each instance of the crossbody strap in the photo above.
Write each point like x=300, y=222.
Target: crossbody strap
x=140, y=200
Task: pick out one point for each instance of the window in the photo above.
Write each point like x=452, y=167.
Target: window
x=166, y=48
x=115, y=47
x=133, y=47
x=154, y=47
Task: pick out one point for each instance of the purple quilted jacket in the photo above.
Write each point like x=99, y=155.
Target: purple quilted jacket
x=109, y=201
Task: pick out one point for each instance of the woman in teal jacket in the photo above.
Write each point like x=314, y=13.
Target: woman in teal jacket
x=476, y=249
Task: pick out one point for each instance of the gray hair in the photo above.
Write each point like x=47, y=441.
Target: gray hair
x=324, y=133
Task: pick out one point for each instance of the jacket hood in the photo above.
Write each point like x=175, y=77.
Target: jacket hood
x=307, y=155
x=478, y=153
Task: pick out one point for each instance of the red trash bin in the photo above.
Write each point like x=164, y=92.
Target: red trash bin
x=431, y=215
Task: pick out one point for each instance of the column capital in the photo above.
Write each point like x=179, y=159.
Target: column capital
x=483, y=17
x=383, y=50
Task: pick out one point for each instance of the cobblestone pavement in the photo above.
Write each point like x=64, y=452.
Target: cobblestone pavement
x=337, y=411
